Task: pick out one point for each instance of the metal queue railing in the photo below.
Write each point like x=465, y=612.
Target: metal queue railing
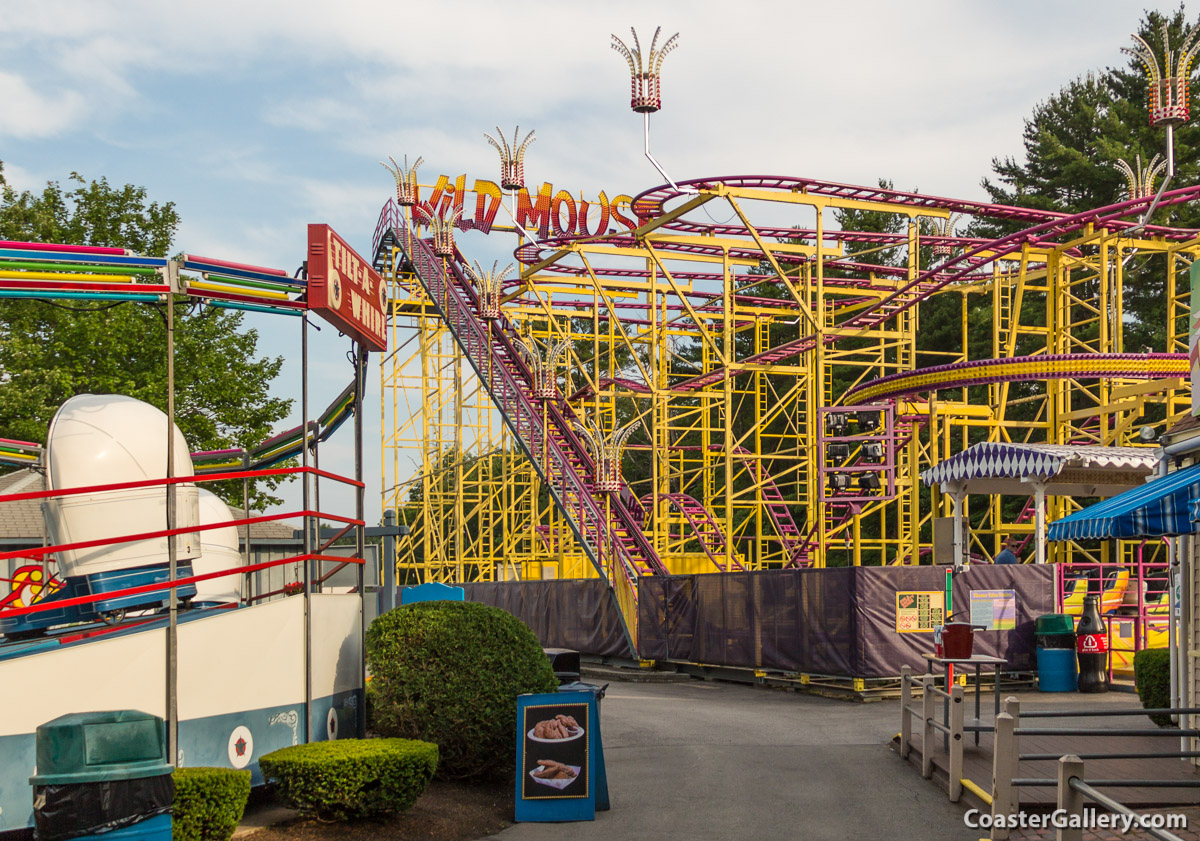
x=1003, y=799
x=1074, y=790
x=46, y=552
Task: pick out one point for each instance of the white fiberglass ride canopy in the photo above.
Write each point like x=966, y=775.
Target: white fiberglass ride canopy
x=103, y=439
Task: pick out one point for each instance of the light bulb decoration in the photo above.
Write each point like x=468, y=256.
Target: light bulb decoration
x=645, y=77
x=441, y=226
x=489, y=285
x=544, y=368
x=1170, y=94
x=606, y=452
x=1139, y=181
x=944, y=227
x=407, y=191
x=512, y=158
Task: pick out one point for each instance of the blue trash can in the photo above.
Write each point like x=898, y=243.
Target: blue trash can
x=580, y=686
x=1058, y=670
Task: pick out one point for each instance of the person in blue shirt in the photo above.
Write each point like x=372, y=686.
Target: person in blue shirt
x=1008, y=555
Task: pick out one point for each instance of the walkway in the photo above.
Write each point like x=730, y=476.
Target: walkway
x=720, y=761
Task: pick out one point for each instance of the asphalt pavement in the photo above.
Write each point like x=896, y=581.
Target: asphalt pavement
x=709, y=760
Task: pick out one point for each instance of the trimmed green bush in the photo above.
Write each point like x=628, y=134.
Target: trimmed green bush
x=450, y=672
x=209, y=803
x=352, y=778
x=1152, y=674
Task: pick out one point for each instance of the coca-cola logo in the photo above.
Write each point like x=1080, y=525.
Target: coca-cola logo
x=1092, y=644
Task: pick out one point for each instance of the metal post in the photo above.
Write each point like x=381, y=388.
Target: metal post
x=1070, y=801
x=315, y=522
x=249, y=577
x=1186, y=639
x=1173, y=639
x=905, y=715
x=927, y=731
x=1039, y=493
x=956, y=742
x=1004, y=761
x=360, y=543
x=388, y=578
x=172, y=271
x=308, y=546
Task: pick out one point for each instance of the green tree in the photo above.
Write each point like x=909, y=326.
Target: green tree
x=1072, y=142
x=50, y=350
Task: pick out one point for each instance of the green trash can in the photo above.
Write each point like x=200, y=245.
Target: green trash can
x=1058, y=670
x=103, y=775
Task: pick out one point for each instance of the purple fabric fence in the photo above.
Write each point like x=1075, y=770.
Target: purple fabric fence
x=576, y=613
x=840, y=622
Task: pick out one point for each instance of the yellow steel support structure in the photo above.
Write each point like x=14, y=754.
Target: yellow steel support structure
x=685, y=332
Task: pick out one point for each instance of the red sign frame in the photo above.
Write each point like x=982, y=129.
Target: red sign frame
x=345, y=290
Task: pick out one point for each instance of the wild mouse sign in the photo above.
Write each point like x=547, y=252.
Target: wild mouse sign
x=344, y=290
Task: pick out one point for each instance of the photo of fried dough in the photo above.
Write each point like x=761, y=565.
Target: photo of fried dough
x=551, y=770
x=557, y=729
x=554, y=774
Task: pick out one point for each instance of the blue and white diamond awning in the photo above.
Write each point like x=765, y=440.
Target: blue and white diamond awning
x=1063, y=469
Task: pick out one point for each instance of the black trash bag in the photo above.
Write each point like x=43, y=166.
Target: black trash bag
x=74, y=809
x=1056, y=641
x=581, y=686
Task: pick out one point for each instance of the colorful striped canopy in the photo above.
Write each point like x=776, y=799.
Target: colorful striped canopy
x=1157, y=509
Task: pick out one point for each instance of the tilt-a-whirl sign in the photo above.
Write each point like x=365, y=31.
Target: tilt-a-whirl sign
x=546, y=212
x=344, y=290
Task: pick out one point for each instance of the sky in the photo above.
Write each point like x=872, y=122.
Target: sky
x=257, y=118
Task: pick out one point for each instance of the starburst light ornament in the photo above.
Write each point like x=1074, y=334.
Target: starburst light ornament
x=606, y=452
x=512, y=158
x=1140, y=182
x=544, y=368
x=441, y=225
x=944, y=228
x=645, y=78
x=1170, y=95
x=490, y=285
x=406, y=180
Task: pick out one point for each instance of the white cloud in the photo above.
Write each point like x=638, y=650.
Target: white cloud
x=32, y=114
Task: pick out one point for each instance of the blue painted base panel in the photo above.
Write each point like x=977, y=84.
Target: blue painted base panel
x=157, y=828
x=233, y=740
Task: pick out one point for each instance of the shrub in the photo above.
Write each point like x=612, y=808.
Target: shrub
x=450, y=673
x=352, y=778
x=209, y=803
x=1152, y=673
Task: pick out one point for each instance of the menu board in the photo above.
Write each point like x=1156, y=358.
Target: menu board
x=920, y=611
x=556, y=751
x=560, y=758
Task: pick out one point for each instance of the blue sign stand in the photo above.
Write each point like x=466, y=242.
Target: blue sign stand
x=560, y=758
x=431, y=592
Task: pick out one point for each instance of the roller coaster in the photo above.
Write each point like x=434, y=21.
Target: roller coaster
x=753, y=389
x=662, y=392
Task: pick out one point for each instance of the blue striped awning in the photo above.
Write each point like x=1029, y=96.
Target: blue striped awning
x=1157, y=509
